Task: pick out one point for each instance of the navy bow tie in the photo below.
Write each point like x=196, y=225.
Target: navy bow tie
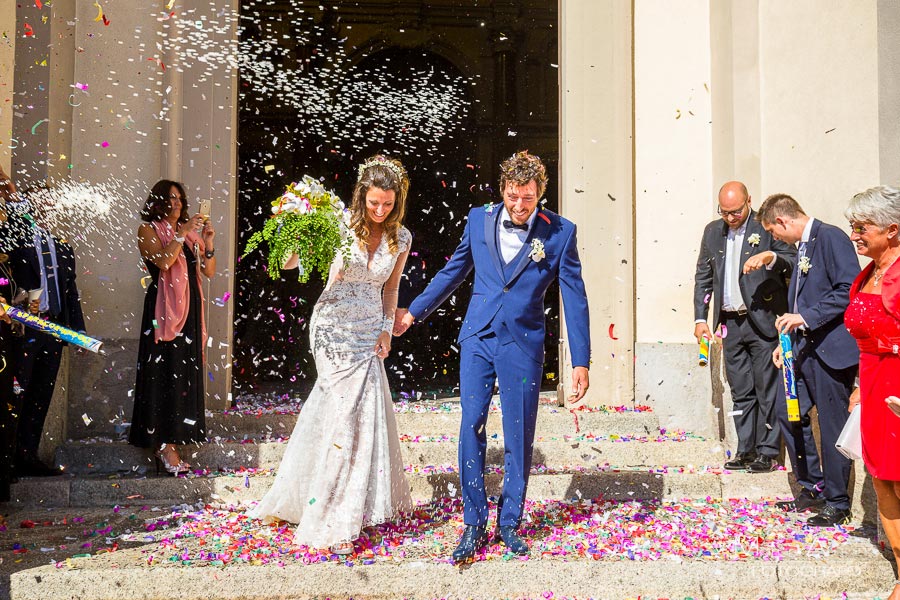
x=510, y=225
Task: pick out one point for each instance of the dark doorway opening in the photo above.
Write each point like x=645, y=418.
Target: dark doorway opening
x=325, y=87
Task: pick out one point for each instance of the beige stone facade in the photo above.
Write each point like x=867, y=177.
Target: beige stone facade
x=660, y=102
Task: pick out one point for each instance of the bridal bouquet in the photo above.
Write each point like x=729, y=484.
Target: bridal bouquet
x=307, y=221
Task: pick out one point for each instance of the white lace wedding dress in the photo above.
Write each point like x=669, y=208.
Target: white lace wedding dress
x=342, y=469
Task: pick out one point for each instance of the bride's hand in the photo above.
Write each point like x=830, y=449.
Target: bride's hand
x=383, y=345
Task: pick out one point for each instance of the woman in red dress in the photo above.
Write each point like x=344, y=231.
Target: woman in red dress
x=873, y=318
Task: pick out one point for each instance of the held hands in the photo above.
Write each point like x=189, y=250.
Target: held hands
x=776, y=357
x=788, y=322
x=580, y=384
x=208, y=233
x=195, y=224
x=403, y=319
x=383, y=345
x=758, y=261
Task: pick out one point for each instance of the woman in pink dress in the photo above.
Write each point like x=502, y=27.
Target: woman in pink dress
x=873, y=318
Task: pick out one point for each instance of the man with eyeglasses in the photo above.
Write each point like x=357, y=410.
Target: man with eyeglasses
x=746, y=299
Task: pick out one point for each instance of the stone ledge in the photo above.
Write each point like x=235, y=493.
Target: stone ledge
x=107, y=578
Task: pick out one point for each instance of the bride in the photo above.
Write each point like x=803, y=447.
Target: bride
x=342, y=469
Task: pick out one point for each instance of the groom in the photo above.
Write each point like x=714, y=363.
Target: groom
x=517, y=250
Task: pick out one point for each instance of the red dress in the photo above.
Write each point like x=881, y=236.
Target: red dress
x=877, y=331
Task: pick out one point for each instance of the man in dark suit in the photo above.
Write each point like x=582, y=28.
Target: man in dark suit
x=40, y=260
x=745, y=299
x=517, y=249
x=826, y=357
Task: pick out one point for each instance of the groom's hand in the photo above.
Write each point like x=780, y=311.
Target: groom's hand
x=580, y=384
x=402, y=321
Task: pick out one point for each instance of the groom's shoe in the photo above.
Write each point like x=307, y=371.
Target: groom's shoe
x=512, y=540
x=473, y=538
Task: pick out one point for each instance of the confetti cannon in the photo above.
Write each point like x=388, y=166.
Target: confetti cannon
x=58, y=331
x=790, y=381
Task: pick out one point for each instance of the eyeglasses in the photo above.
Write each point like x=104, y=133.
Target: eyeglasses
x=858, y=228
x=731, y=213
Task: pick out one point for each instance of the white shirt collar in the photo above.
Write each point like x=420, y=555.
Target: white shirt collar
x=807, y=231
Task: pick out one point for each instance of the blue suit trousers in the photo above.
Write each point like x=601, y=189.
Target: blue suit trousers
x=482, y=359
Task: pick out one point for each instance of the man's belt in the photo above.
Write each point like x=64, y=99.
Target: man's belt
x=734, y=313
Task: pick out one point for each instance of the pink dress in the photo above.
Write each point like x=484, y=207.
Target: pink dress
x=879, y=376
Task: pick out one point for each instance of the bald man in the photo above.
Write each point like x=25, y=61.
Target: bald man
x=746, y=299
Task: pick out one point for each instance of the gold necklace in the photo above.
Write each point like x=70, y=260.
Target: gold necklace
x=879, y=273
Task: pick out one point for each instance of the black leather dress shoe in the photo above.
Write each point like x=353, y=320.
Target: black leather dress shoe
x=829, y=517
x=805, y=500
x=763, y=464
x=512, y=540
x=740, y=461
x=472, y=540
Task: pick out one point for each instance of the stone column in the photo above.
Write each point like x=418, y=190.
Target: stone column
x=889, y=91
x=596, y=185
x=9, y=33
x=31, y=123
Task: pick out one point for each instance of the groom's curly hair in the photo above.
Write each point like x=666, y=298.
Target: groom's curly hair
x=385, y=178
x=522, y=167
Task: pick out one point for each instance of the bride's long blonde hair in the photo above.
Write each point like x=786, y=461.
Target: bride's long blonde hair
x=384, y=173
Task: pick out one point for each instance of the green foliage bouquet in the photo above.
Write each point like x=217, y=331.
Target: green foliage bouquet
x=307, y=221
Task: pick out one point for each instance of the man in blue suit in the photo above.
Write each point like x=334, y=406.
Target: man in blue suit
x=826, y=356
x=517, y=250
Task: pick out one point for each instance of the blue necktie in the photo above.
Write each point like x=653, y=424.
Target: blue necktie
x=801, y=252
x=52, y=291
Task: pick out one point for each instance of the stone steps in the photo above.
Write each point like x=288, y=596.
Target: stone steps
x=619, y=484
x=432, y=418
x=119, y=576
x=113, y=457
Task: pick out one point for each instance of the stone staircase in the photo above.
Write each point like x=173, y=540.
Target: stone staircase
x=603, y=458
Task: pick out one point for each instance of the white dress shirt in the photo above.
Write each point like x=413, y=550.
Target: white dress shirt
x=732, y=300
x=512, y=240
x=52, y=267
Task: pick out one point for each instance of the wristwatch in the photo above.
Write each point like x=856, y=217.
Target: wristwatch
x=210, y=253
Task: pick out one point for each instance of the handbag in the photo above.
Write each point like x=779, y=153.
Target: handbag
x=849, y=443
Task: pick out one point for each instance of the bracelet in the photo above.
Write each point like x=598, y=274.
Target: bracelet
x=210, y=253
x=180, y=240
x=388, y=324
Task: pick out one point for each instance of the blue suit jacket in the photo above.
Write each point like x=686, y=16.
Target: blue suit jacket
x=520, y=298
x=824, y=294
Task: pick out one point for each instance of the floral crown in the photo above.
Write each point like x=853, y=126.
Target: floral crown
x=380, y=161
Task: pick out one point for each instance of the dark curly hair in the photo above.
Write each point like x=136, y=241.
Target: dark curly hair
x=522, y=167
x=158, y=205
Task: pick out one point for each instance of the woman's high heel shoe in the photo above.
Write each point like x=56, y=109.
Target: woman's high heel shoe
x=176, y=469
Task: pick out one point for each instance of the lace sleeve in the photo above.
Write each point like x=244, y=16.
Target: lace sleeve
x=391, y=291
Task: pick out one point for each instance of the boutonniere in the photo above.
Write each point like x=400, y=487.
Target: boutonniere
x=537, y=250
x=488, y=208
x=753, y=240
x=804, y=265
